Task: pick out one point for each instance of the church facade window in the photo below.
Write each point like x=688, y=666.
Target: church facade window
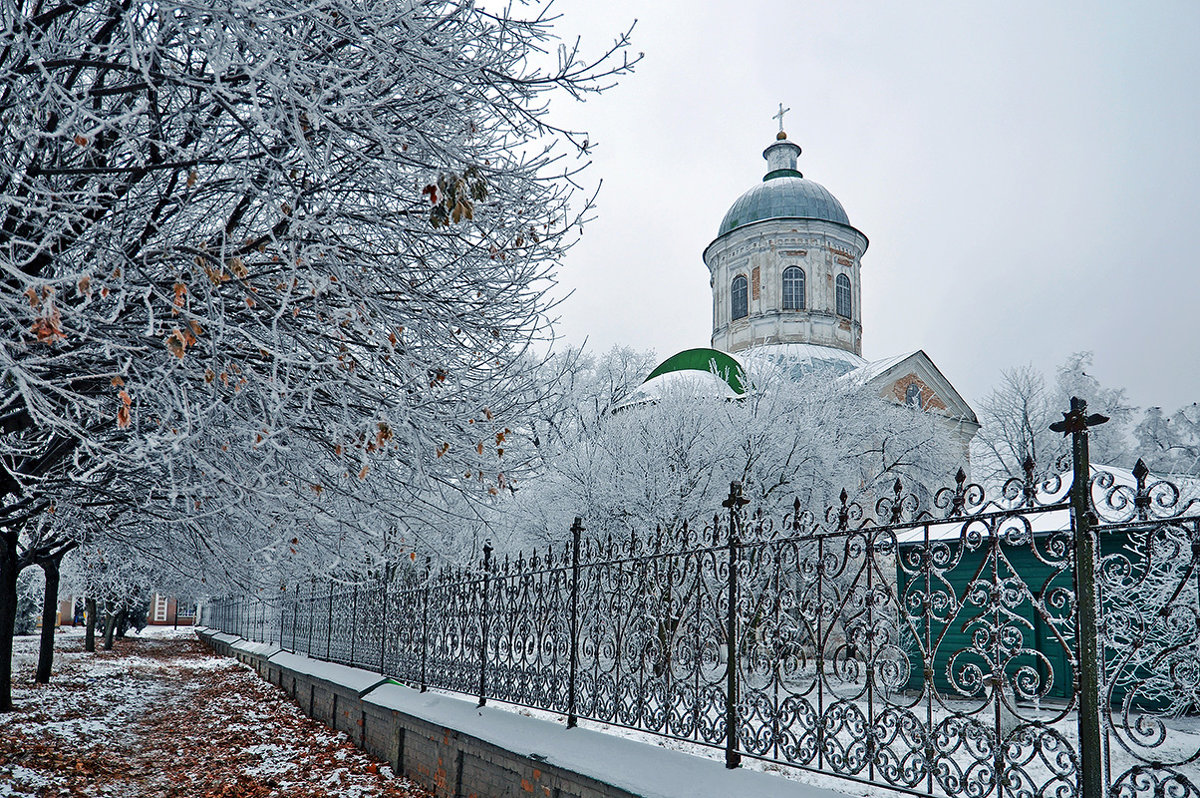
x=739, y=300
x=843, y=296
x=793, y=288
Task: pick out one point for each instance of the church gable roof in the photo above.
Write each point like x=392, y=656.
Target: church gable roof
x=913, y=377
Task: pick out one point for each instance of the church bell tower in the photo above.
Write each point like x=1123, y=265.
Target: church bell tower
x=785, y=264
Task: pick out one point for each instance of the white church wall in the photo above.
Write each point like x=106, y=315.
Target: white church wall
x=823, y=249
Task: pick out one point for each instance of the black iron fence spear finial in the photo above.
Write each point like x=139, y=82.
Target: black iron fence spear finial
x=960, y=493
x=1029, y=486
x=1141, y=499
x=897, y=503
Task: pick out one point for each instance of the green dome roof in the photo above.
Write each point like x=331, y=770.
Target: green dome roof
x=784, y=194
x=702, y=372
x=707, y=361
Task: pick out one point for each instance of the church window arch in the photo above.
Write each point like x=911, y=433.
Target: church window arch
x=793, y=288
x=739, y=300
x=844, y=297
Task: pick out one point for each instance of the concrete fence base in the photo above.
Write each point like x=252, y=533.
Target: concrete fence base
x=456, y=749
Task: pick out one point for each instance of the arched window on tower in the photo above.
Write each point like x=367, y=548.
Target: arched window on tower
x=738, y=298
x=845, y=300
x=793, y=288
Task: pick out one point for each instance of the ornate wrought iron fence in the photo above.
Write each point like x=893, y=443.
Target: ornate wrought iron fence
x=1041, y=642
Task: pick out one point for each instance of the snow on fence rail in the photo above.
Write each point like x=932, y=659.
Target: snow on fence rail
x=939, y=652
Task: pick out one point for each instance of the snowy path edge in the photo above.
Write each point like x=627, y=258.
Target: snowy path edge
x=455, y=748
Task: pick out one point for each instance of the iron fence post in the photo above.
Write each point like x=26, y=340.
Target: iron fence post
x=425, y=622
x=734, y=504
x=1091, y=758
x=329, y=624
x=576, y=531
x=312, y=614
x=483, y=622
x=383, y=615
x=353, y=621
x=295, y=615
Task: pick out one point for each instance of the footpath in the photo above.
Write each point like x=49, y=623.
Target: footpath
x=161, y=716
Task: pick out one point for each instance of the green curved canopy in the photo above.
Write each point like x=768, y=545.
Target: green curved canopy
x=708, y=361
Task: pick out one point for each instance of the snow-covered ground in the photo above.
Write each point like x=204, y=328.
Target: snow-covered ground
x=160, y=716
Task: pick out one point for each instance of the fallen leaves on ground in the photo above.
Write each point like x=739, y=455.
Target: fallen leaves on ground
x=164, y=717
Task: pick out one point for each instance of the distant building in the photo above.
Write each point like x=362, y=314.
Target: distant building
x=164, y=610
x=785, y=273
x=170, y=611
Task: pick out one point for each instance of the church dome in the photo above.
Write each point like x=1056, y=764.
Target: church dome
x=784, y=196
x=797, y=360
x=701, y=372
x=783, y=193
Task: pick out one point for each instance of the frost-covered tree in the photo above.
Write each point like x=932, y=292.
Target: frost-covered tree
x=1110, y=442
x=584, y=387
x=665, y=462
x=1015, y=419
x=1170, y=444
x=233, y=231
x=29, y=592
x=1017, y=414
x=1153, y=621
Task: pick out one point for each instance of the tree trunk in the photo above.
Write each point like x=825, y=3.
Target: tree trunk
x=110, y=626
x=8, y=621
x=89, y=634
x=49, y=621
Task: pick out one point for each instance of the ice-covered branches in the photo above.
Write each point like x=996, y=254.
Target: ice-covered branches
x=259, y=251
x=1016, y=416
x=670, y=461
x=329, y=222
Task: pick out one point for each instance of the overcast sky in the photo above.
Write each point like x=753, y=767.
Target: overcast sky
x=1027, y=174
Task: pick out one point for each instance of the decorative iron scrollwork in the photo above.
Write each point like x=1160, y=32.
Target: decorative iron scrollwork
x=933, y=650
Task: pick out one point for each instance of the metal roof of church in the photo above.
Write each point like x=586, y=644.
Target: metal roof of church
x=784, y=194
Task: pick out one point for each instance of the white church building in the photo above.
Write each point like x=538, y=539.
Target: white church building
x=786, y=274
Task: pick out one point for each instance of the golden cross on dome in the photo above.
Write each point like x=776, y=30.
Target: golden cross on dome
x=779, y=116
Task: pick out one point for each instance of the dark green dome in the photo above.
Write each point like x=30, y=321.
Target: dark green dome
x=707, y=361
x=784, y=194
